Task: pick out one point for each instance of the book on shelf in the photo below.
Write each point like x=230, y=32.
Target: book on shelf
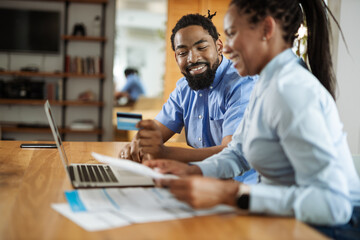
x=82, y=124
x=83, y=65
x=54, y=90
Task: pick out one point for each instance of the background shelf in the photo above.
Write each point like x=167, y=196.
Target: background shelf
x=15, y=129
x=52, y=102
x=31, y=74
x=85, y=38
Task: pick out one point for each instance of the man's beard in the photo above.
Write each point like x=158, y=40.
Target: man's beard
x=202, y=80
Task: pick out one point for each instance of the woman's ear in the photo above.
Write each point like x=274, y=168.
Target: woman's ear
x=269, y=27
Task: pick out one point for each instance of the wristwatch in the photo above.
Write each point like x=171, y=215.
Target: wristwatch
x=243, y=197
x=243, y=201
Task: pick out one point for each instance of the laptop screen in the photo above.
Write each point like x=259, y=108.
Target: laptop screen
x=56, y=134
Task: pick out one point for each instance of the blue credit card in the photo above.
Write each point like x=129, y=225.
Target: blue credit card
x=127, y=121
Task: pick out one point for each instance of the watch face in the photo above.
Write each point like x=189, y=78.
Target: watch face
x=243, y=201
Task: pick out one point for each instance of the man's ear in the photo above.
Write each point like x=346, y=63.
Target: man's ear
x=219, y=46
x=269, y=27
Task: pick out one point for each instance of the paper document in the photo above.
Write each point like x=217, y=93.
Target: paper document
x=100, y=209
x=130, y=166
x=92, y=221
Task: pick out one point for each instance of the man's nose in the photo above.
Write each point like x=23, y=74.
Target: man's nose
x=192, y=57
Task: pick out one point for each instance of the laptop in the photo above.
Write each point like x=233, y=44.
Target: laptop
x=94, y=175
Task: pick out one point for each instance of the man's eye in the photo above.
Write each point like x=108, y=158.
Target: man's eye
x=202, y=48
x=182, y=53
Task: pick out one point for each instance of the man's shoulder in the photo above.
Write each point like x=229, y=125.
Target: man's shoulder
x=232, y=78
x=232, y=81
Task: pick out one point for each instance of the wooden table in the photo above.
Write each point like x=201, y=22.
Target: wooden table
x=31, y=180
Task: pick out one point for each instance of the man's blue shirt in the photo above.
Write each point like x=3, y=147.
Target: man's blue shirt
x=208, y=115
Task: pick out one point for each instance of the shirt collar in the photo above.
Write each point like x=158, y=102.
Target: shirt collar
x=277, y=62
x=220, y=71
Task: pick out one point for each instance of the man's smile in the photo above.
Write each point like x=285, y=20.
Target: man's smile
x=198, y=69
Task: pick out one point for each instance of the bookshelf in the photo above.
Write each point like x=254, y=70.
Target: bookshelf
x=66, y=79
x=84, y=72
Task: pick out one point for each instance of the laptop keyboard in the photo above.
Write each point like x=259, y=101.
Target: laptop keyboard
x=94, y=173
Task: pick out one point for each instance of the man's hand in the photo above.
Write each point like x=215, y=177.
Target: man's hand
x=148, y=142
x=131, y=151
x=173, y=167
x=201, y=192
x=150, y=139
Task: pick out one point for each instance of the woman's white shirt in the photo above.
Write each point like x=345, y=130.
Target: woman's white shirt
x=292, y=135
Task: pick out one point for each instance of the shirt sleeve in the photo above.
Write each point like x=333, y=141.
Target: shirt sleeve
x=238, y=99
x=229, y=162
x=171, y=114
x=321, y=193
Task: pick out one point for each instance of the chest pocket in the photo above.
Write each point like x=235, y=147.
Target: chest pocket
x=216, y=126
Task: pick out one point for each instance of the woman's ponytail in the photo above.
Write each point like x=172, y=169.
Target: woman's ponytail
x=318, y=43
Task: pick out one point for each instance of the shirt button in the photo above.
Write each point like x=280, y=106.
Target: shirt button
x=211, y=87
x=200, y=117
x=199, y=139
x=200, y=94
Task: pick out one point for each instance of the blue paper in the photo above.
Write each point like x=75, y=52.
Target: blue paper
x=74, y=201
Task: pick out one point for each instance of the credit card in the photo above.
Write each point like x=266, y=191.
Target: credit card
x=127, y=121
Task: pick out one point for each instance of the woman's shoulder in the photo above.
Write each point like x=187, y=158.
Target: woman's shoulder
x=295, y=88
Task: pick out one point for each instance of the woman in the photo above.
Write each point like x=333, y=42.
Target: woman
x=291, y=132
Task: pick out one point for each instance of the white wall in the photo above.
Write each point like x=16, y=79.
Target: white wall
x=35, y=114
x=139, y=44
x=348, y=72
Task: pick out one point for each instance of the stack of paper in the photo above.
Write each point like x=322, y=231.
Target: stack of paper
x=101, y=209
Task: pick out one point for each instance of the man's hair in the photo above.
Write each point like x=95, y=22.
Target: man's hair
x=196, y=19
x=129, y=71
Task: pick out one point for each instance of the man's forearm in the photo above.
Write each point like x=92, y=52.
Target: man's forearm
x=190, y=154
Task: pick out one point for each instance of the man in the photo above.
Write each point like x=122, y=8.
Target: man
x=133, y=88
x=209, y=101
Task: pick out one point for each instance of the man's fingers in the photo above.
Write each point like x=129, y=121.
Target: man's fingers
x=147, y=156
x=135, y=154
x=150, y=143
x=149, y=150
x=124, y=152
x=145, y=133
x=147, y=124
x=127, y=154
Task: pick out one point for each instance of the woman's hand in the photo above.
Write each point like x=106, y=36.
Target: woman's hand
x=173, y=167
x=201, y=192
